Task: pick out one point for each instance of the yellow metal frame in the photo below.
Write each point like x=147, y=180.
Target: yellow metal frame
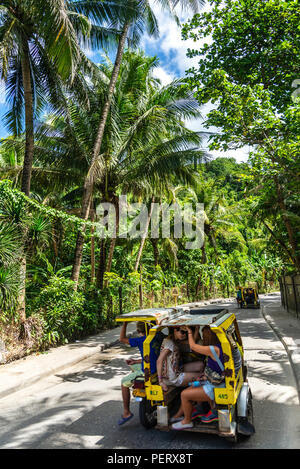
x=233, y=384
x=139, y=393
x=135, y=319
x=154, y=392
x=223, y=396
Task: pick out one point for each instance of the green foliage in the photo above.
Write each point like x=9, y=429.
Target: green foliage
x=247, y=71
x=63, y=311
x=251, y=210
x=253, y=41
x=10, y=250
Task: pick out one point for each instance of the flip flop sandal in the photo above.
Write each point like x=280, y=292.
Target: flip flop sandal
x=123, y=420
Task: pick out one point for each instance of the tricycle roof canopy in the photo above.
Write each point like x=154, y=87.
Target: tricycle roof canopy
x=151, y=314
x=176, y=316
x=199, y=317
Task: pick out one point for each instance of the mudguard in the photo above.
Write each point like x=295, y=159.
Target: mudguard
x=243, y=400
x=244, y=427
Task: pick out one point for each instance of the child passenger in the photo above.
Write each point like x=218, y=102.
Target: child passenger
x=171, y=370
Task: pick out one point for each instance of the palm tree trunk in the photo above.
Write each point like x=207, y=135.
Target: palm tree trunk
x=144, y=235
x=141, y=289
x=214, y=244
x=154, y=242
x=21, y=299
x=89, y=180
x=203, y=260
x=27, y=165
x=101, y=265
x=28, y=99
x=110, y=255
x=111, y=89
x=114, y=239
x=92, y=246
x=79, y=250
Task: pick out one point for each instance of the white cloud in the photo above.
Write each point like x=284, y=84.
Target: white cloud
x=163, y=75
x=91, y=54
x=241, y=155
x=170, y=43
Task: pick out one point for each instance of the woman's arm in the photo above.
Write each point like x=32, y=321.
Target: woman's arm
x=196, y=333
x=202, y=349
x=159, y=364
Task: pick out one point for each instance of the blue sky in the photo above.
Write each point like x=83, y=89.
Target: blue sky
x=3, y=109
x=173, y=63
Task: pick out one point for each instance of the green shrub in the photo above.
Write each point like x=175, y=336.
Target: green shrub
x=64, y=312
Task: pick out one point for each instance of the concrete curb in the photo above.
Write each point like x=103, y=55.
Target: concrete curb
x=293, y=355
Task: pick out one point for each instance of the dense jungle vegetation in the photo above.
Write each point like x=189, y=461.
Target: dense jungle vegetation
x=83, y=133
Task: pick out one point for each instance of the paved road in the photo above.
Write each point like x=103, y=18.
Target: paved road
x=79, y=407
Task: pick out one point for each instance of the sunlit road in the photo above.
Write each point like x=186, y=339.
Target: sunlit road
x=80, y=407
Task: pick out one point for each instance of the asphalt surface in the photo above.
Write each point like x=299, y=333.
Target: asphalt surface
x=70, y=397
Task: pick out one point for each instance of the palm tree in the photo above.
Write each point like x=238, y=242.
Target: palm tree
x=220, y=226
x=152, y=142
x=11, y=158
x=145, y=140
x=10, y=249
x=39, y=46
x=33, y=35
x=40, y=53
x=140, y=18
x=21, y=234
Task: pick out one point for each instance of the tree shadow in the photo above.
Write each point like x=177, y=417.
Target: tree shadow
x=100, y=428
x=104, y=368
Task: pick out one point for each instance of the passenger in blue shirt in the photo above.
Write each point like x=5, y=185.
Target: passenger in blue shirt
x=136, y=365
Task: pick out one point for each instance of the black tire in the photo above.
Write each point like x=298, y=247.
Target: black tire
x=250, y=416
x=148, y=417
x=248, y=421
